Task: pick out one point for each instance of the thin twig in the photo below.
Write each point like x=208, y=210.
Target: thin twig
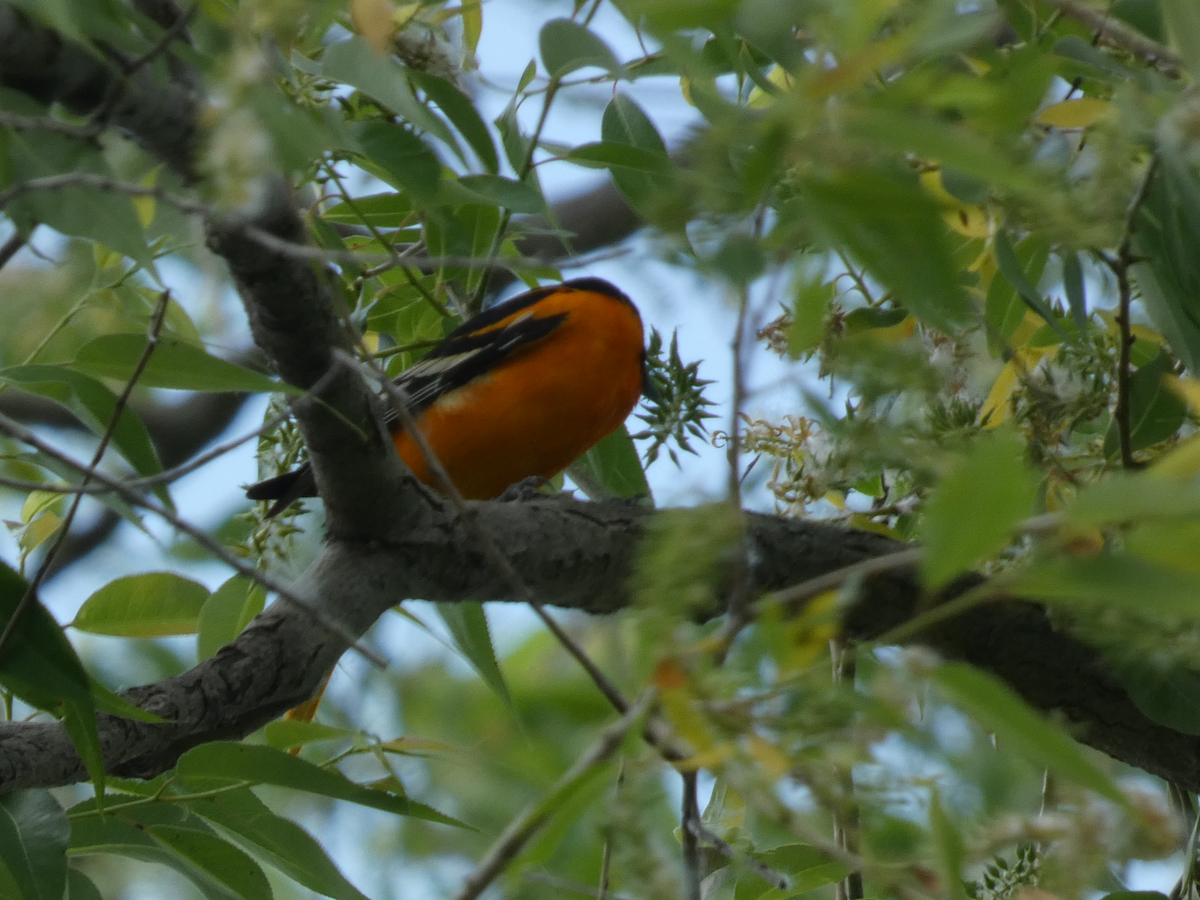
x=98, y=120
x=1120, y=266
x=605, y=862
x=397, y=259
x=525, y=825
x=177, y=29
x=12, y=246
x=738, y=607
x=19, y=432
x=846, y=820
x=18, y=122
x=30, y=595
x=606, y=853
x=876, y=565
x=526, y=167
x=173, y=474
x=692, y=875
x=1121, y=412
x=771, y=876
x=1116, y=33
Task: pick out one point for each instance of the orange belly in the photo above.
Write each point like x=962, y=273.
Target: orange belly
x=542, y=409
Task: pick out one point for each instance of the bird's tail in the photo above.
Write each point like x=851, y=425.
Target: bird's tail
x=284, y=489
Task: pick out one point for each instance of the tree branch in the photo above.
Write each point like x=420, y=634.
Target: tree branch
x=1115, y=33
x=580, y=556
x=161, y=117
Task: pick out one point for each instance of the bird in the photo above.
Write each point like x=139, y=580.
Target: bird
x=519, y=391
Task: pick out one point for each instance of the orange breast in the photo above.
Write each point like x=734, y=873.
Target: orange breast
x=542, y=408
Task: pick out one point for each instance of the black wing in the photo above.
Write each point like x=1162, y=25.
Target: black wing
x=476, y=348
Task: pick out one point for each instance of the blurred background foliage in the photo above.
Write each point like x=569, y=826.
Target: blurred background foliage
x=972, y=226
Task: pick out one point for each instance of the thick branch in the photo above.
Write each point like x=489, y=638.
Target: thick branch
x=576, y=555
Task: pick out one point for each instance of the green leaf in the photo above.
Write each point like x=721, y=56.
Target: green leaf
x=1155, y=411
x=1167, y=542
x=1076, y=48
x=625, y=123
x=1120, y=581
x=518, y=196
x=609, y=154
x=283, y=844
x=472, y=20
x=33, y=834
x=740, y=259
x=806, y=867
x=956, y=145
x=173, y=364
x=675, y=15
x=226, y=613
x=1167, y=243
x=1169, y=697
x=400, y=153
x=107, y=217
x=68, y=474
x=283, y=734
x=111, y=834
x=527, y=76
x=216, y=858
x=225, y=762
x=947, y=837
x=896, y=231
x=999, y=710
x=39, y=664
x=469, y=628
x=812, y=303
x=1182, y=18
x=611, y=468
x=462, y=114
x=566, y=46
x=79, y=722
x=867, y=319
x=85, y=23
x=353, y=62
x=154, y=604
x=972, y=513
x=1006, y=259
x=1131, y=497
x=384, y=211
x=80, y=887
x=116, y=705
x=94, y=404
x=1004, y=311
x=469, y=232
x=1073, y=287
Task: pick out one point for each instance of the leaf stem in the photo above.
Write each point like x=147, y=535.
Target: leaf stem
x=1120, y=265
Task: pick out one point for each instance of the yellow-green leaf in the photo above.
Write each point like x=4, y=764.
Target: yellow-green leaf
x=150, y=605
x=1079, y=112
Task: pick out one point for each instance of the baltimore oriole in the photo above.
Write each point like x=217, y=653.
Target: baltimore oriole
x=520, y=390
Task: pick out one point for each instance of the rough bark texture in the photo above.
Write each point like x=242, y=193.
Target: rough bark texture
x=388, y=539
